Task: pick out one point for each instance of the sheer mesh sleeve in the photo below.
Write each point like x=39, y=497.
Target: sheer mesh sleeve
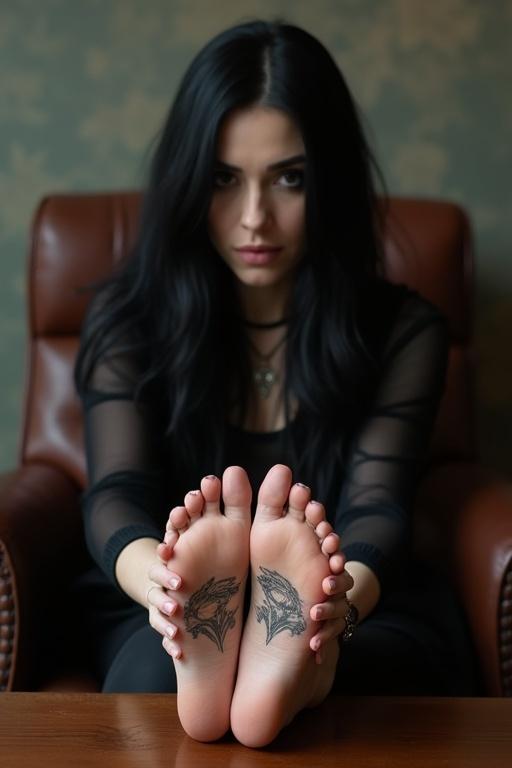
x=124, y=497
x=389, y=450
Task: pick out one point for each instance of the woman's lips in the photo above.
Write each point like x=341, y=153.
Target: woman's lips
x=259, y=255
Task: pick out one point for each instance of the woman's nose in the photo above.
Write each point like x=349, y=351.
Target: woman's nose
x=254, y=210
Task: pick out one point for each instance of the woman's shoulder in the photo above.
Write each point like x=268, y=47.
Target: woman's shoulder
x=398, y=296
x=396, y=312
x=111, y=359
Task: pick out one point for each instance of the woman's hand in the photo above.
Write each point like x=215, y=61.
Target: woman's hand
x=331, y=613
x=164, y=582
x=160, y=600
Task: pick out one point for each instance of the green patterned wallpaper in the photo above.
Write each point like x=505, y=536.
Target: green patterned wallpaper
x=84, y=85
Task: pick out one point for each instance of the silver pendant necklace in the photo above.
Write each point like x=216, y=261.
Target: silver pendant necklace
x=264, y=374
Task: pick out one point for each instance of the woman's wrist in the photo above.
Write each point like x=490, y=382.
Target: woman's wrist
x=132, y=567
x=365, y=593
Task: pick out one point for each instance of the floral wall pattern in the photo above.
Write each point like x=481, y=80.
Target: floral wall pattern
x=85, y=85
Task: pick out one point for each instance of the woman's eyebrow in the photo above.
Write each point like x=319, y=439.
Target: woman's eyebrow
x=294, y=160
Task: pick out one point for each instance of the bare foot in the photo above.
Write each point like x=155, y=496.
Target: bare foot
x=211, y=555
x=277, y=673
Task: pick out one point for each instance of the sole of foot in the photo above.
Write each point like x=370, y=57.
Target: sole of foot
x=212, y=557
x=277, y=673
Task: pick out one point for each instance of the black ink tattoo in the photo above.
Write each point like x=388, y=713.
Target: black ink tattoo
x=206, y=611
x=282, y=606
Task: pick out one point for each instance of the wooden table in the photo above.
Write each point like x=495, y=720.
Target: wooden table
x=54, y=730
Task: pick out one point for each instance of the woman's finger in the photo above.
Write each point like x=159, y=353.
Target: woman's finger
x=334, y=607
x=161, y=575
x=172, y=648
x=161, y=624
x=335, y=584
x=328, y=631
x=331, y=609
x=159, y=598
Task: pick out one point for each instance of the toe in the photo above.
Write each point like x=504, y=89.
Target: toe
x=337, y=562
x=236, y=493
x=274, y=492
x=178, y=519
x=315, y=513
x=194, y=503
x=298, y=499
x=169, y=542
x=331, y=544
x=323, y=529
x=211, y=489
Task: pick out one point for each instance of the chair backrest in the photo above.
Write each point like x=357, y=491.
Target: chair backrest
x=76, y=240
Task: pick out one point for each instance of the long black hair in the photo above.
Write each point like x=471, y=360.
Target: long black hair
x=173, y=307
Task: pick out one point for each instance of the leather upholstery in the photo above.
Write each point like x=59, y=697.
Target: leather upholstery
x=76, y=241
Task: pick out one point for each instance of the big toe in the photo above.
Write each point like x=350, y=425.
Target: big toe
x=274, y=492
x=236, y=493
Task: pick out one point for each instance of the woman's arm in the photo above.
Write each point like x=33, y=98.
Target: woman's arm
x=388, y=454
x=132, y=569
x=124, y=498
x=389, y=451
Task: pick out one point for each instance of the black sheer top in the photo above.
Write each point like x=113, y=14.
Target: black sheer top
x=130, y=487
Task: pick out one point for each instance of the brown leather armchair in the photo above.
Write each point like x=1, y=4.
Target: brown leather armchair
x=463, y=514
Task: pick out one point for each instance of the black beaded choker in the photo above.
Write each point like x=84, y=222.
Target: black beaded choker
x=266, y=326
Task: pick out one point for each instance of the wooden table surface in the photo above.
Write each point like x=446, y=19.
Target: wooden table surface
x=54, y=730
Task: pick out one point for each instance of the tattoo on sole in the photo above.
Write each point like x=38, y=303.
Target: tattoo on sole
x=206, y=611
x=282, y=606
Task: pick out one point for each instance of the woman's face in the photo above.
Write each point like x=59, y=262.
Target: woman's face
x=257, y=211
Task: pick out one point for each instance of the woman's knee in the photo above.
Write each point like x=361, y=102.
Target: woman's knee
x=141, y=666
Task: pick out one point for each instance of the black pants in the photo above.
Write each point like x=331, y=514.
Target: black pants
x=414, y=643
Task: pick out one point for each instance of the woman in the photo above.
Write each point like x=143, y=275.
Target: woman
x=250, y=335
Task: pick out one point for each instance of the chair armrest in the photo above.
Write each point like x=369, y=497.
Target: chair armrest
x=472, y=506
x=41, y=544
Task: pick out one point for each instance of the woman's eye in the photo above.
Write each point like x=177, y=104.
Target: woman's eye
x=293, y=179
x=222, y=179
